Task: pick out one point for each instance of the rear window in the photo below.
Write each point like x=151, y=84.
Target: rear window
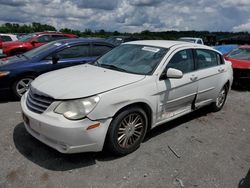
x=5, y=38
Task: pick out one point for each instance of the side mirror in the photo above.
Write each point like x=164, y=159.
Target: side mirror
x=174, y=73
x=33, y=42
x=55, y=59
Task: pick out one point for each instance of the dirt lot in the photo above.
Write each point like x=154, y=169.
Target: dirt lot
x=213, y=150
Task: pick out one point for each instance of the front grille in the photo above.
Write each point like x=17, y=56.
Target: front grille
x=38, y=103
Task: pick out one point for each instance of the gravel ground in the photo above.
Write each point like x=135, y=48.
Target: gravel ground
x=213, y=151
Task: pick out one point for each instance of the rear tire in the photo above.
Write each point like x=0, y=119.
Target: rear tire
x=220, y=100
x=21, y=85
x=127, y=131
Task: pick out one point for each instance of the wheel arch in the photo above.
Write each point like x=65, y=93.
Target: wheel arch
x=26, y=73
x=13, y=51
x=144, y=106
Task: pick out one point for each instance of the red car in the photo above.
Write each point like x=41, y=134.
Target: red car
x=240, y=58
x=30, y=41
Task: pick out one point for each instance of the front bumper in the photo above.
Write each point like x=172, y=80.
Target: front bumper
x=64, y=135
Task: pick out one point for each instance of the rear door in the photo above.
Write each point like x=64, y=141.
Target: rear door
x=210, y=68
x=177, y=95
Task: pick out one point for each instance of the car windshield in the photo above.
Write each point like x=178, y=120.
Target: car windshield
x=36, y=52
x=131, y=58
x=26, y=38
x=240, y=53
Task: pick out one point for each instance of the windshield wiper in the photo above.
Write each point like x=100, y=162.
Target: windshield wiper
x=113, y=67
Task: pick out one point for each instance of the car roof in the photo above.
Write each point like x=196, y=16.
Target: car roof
x=190, y=38
x=7, y=34
x=82, y=40
x=164, y=43
x=244, y=46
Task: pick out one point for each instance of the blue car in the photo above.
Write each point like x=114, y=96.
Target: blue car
x=17, y=72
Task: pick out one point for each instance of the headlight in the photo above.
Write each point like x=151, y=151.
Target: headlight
x=77, y=109
x=4, y=73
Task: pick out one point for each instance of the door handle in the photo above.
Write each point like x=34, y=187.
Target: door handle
x=221, y=70
x=193, y=78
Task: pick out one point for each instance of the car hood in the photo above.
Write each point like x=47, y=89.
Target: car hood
x=81, y=81
x=240, y=64
x=11, y=43
x=9, y=62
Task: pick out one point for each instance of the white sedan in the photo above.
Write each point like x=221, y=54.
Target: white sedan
x=128, y=91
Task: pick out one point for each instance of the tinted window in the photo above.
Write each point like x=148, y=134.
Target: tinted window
x=199, y=42
x=44, y=38
x=99, y=50
x=206, y=59
x=58, y=37
x=6, y=38
x=240, y=53
x=26, y=38
x=74, y=52
x=182, y=60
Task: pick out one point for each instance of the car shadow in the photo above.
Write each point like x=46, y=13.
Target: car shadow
x=176, y=122
x=48, y=158
x=6, y=97
x=245, y=182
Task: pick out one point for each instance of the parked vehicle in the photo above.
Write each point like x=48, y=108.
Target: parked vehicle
x=225, y=49
x=240, y=58
x=5, y=38
x=30, y=41
x=17, y=72
x=192, y=39
x=128, y=91
x=118, y=40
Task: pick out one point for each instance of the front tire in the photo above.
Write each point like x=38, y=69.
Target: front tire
x=21, y=85
x=127, y=131
x=220, y=100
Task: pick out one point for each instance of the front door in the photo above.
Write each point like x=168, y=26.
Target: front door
x=177, y=95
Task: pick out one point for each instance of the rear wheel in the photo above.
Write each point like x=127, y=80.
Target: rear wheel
x=21, y=85
x=127, y=131
x=220, y=100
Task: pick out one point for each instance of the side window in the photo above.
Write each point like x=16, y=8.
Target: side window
x=206, y=58
x=74, y=52
x=99, y=49
x=6, y=38
x=183, y=61
x=44, y=38
x=57, y=37
x=199, y=42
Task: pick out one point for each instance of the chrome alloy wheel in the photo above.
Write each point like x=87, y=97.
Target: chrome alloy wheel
x=221, y=98
x=23, y=85
x=130, y=130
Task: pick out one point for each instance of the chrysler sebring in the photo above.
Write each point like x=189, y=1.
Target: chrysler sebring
x=133, y=88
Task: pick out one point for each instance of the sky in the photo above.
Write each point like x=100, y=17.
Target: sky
x=131, y=15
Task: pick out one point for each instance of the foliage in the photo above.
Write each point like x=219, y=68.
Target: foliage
x=208, y=37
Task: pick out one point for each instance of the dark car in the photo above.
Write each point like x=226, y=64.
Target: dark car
x=17, y=72
x=33, y=40
x=118, y=40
